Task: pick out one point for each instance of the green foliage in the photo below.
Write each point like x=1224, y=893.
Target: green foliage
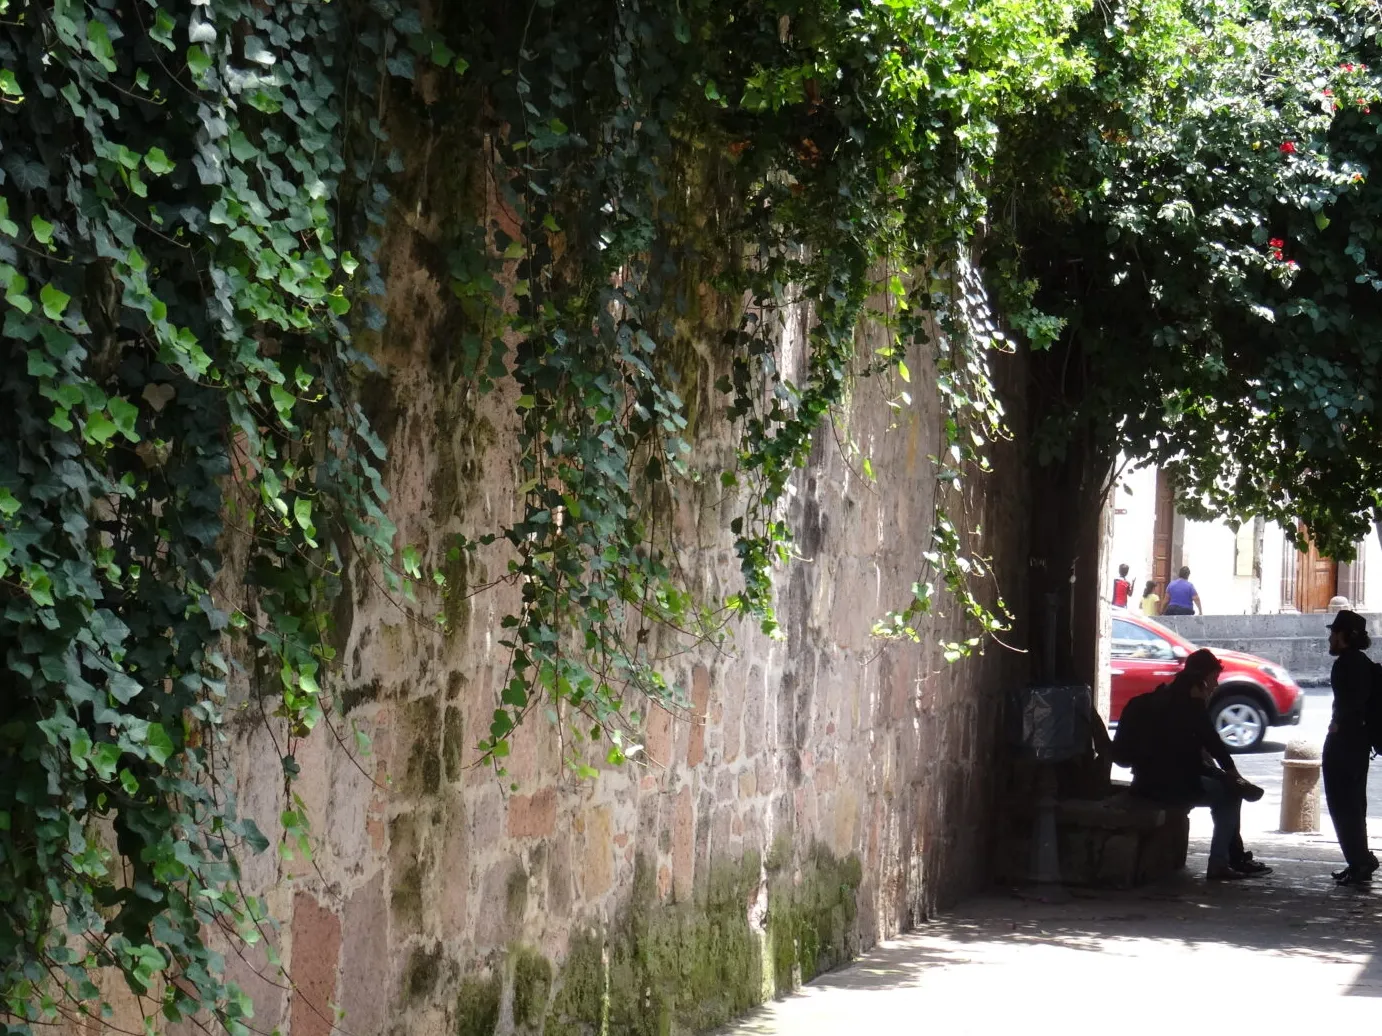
x=800, y=161
x=1195, y=232
x=174, y=286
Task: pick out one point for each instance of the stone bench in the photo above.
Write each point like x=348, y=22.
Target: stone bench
x=1120, y=841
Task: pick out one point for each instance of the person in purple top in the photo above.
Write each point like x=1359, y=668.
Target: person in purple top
x=1181, y=598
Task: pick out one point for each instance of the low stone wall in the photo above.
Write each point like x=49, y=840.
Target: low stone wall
x=1297, y=642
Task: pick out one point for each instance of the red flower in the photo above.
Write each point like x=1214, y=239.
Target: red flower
x=1347, y=68
x=1328, y=92
x=1292, y=264
x=1288, y=147
x=1277, y=243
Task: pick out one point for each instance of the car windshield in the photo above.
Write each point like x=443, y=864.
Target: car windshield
x=1133, y=641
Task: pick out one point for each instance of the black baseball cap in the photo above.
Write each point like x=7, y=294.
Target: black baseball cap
x=1348, y=622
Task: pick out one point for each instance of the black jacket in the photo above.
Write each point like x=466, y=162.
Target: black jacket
x=1351, y=679
x=1163, y=736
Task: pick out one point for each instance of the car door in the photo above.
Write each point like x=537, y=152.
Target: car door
x=1141, y=661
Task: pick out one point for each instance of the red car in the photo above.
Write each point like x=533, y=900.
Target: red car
x=1253, y=694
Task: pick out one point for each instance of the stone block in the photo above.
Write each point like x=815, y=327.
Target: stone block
x=683, y=845
x=598, y=873
x=366, y=978
x=316, y=955
x=658, y=747
x=533, y=816
x=700, y=698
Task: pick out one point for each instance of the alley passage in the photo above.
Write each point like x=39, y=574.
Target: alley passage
x=1287, y=954
x=1282, y=955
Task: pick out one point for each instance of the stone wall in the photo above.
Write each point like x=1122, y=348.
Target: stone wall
x=1299, y=643
x=820, y=793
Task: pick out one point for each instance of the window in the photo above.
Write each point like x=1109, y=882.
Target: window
x=1132, y=641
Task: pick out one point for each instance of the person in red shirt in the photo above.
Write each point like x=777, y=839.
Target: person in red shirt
x=1122, y=588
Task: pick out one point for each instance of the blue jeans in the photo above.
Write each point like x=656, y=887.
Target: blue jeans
x=1226, y=807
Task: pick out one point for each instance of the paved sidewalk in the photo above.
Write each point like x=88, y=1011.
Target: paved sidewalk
x=1274, y=954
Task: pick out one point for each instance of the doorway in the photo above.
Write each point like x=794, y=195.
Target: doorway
x=1317, y=580
x=1164, y=546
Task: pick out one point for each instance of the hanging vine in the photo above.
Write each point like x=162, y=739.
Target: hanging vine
x=180, y=187
x=843, y=153
x=175, y=289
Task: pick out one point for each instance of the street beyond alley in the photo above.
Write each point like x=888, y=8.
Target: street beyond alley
x=1289, y=952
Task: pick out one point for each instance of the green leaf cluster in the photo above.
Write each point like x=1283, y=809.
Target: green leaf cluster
x=174, y=287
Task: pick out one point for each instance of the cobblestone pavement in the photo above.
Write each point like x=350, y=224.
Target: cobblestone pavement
x=1285, y=954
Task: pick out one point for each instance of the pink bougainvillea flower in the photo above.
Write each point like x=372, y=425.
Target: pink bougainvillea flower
x=1288, y=147
x=1347, y=67
x=1292, y=264
x=1328, y=92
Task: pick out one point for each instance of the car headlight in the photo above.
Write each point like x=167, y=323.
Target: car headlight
x=1278, y=674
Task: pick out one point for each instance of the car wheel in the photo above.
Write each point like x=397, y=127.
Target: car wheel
x=1240, y=721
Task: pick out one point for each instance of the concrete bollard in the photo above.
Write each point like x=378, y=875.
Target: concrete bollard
x=1300, y=788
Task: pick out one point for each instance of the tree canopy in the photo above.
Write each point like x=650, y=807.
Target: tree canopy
x=1198, y=221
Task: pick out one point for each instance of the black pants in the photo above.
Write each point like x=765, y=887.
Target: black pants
x=1178, y=609
x=1346, y=793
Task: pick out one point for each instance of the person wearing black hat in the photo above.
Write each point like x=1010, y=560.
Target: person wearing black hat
x=1166, y=737
x=1347, y=747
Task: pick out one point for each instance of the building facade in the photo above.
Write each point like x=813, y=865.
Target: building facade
x=1253, y=570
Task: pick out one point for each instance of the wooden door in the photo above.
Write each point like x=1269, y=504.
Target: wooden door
x=1317, y=580
x=1163, y=531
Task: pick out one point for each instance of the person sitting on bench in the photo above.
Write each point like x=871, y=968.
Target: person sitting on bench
x=1167, y=740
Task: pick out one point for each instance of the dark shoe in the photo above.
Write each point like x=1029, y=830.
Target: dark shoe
x=1358, y=876
x=1251, y=867
x=1225, y=874
x=1250, y=792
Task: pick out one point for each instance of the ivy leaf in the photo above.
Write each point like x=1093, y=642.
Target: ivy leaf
x=40, y=366
x=98, y=42
x=253, y=837
x=158, y=161
x=9, y=86
x=54, y=301
x=442, y=55
x=162, y=30
x=79, y=748
x=105, y=759
x=40, y=587
x=302, y=511
x=43, y=230
x=125, y=414
x=99, y=428
x=8, y=226
x=198, y=62
x=9, y=504
x=123, y=687
x=283, y=402
x=158, y=744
